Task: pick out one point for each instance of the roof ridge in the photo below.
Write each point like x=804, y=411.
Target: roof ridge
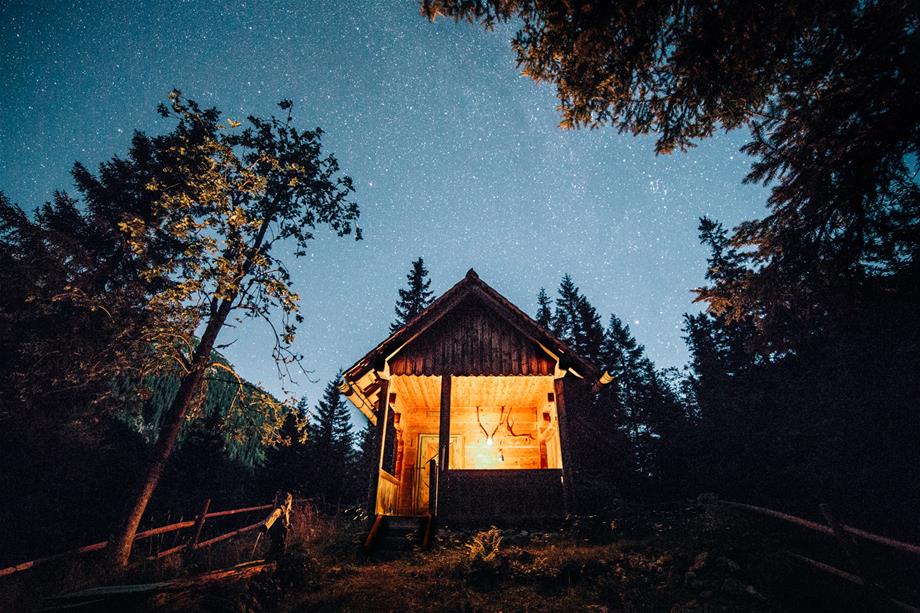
x=473, y=281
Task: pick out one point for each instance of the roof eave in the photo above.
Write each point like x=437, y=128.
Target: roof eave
x=376, y=358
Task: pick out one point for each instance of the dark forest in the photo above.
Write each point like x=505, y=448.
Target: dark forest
x=120, y=410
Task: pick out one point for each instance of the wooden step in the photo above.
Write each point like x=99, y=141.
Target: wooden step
x=394, y=535
x=397, y=542
x=403, y=523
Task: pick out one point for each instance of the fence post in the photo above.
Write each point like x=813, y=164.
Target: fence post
x=199, y=522
x=873, y=591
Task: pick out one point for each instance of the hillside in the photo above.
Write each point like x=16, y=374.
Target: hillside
x=683, y=557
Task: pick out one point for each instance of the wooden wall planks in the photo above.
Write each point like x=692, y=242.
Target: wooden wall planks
x=472, y=340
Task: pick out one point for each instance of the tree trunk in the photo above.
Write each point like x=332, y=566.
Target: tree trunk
x=169, y=432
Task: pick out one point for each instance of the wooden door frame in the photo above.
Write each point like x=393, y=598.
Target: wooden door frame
x=420, y=473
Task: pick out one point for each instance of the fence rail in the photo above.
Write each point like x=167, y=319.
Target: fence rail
x=874, y=592
x=811, y=525
x=197, y=523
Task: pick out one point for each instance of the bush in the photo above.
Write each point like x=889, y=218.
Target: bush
x=485, y=564
x=484, y=546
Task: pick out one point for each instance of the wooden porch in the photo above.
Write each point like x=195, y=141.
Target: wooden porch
x=502, y=432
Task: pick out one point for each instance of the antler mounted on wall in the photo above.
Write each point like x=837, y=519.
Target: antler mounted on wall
x=489, y=437
x=510, y=427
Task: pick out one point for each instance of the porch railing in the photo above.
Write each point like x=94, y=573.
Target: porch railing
x=488, y=494
x=387, y=494
x=424, y=480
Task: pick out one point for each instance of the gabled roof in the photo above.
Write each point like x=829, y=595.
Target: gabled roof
x=471, y=286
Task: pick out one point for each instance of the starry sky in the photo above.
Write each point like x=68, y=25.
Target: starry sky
x=455, y=156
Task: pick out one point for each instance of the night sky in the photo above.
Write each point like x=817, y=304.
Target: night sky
x=455, y=156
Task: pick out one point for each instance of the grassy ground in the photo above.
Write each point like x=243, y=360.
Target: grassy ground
x=683, y=558
x=671, y=561
x=680, y=558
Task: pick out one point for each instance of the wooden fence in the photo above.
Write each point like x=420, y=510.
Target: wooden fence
x=844, y=535
x=192, y=543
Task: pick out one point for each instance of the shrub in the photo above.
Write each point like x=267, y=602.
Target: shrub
x=484, y=545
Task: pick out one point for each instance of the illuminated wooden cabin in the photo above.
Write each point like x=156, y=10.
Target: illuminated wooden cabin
x=470, y=401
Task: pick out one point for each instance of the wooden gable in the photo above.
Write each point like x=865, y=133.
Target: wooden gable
x=472, y=339
x=470, y=330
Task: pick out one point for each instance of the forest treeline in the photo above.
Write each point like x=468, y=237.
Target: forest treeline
x=802, y=385
x=832, y=420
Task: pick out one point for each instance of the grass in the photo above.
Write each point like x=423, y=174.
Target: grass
x=590, y=565
x=692, y=557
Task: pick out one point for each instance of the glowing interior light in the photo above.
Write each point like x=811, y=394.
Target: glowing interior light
x=489, y=441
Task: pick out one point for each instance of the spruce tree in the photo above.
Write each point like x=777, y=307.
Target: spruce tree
x=622, y=354
x=330, y=426
x=365, y=460
x=415, y=297
x=646, y=405
x=588, y=330
x=330, y=444
x=544, y=313
x=575, y=321
x=563, y=323
x=639, y=411
x=624, y=358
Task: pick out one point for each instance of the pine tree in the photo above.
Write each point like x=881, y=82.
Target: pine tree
x=330, y=426
x=624, y=358
x=563, y=324
x=588, y=330
x=366, y=444
x=640, y=408
x=365, y=460
x=544, y=313
x=331, y=445
x=575, y=321
x=648, y=410
x=415, y=298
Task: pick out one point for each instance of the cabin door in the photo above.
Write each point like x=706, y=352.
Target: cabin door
x=428, y=450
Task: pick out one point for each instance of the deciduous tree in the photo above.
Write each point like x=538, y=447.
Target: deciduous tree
x=229, y=198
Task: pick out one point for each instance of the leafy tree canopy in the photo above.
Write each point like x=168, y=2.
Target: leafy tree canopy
x=73, y=313
x=828, y=90
x=227, y=196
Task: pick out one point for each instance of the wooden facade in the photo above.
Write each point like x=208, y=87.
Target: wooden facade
x=472, y=341
x=471, y=401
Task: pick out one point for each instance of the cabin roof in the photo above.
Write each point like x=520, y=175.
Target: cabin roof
x=470, y=286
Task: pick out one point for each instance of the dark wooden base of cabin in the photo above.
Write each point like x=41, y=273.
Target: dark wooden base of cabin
x=496, y=497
